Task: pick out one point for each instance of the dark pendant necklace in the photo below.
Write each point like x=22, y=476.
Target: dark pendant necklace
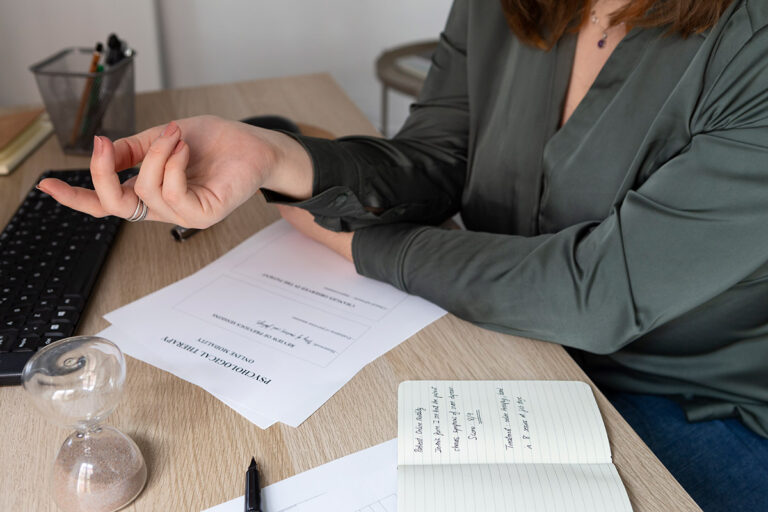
x=596, y=21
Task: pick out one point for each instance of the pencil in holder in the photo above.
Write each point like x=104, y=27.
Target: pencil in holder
x=82, y=104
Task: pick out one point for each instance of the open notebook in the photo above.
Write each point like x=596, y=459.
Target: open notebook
x=504, y=446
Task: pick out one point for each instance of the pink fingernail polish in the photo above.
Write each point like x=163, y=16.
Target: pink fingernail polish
x=178, y=147
x=170, y=129
x=96, y=145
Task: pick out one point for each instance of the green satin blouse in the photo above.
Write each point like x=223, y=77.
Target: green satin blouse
x=636, y=234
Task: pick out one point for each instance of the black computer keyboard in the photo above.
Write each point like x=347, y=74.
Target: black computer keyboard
x=50, y=257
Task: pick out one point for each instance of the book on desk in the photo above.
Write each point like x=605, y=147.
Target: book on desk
x=20, y=134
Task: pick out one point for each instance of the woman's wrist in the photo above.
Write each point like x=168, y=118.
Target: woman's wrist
x=290, y=172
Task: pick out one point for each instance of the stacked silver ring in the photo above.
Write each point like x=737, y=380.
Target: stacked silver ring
x=140, y=213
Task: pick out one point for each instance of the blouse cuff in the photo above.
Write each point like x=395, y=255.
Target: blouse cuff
x=379, y=252
x=334, y=185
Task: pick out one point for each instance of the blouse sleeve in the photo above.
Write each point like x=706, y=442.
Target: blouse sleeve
x=417, y=176
x=693, y=229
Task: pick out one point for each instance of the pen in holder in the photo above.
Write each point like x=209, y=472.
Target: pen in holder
x=83, y=104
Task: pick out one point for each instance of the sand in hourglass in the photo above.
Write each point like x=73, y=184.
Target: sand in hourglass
x=112, y=483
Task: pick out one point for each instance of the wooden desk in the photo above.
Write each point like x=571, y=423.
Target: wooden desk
x=196, y=447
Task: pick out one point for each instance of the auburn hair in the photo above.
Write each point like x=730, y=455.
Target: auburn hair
x=542, y=22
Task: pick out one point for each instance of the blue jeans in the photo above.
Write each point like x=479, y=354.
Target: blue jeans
x=722, y=464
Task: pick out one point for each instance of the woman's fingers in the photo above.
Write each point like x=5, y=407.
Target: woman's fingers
x=115, y=200
x=109, y=196
x=77, y=198
x=130, y=151
x=149, y=182
x=83, y=199
x=162, y=182
x=174, y=188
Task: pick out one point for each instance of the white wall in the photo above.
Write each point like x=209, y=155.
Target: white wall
x=205, y=41
x=32, y=30
x=210, y=42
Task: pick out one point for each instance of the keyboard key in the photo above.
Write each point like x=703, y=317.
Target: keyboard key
x=35, y=283
x=12, y=280
x=7, y=339
x=40, y=317
x=73, y=303
x=32, y=329
x=19, y=311
x=55, y=281
x=26, y=344
x=63, y=329
x=12, y=322
x=25, y=299
x=52, y=292
x=47, y=340
x=29, y=288
x=8, y=290
x=35, y=276
x=42, y=310
x=48, y=304
x=64, y=315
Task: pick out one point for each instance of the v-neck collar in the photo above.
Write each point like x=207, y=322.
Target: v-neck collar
x=620, y=64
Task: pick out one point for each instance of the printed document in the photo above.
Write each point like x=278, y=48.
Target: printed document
x=135, y=348
x=365, y=481
x=274, y=327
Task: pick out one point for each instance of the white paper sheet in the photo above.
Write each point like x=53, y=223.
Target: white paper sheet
x=365, y=481
x=275, y=327
x=138, y=350
x=365, y=495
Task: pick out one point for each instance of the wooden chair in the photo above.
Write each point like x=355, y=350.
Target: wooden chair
x=402, y=69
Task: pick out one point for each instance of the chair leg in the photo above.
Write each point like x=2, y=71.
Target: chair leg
x=384, y=110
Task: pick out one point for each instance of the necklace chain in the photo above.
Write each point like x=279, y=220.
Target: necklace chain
x=596, y=21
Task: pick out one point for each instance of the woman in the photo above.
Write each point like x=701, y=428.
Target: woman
x=613, y=181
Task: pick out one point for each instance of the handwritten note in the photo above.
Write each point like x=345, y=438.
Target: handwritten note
x=465, y=445
x=500, y=422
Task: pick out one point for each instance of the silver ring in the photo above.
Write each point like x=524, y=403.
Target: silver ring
x=135, y=212
x=140, y=213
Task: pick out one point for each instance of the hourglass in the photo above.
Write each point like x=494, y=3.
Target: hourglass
x=77, y=382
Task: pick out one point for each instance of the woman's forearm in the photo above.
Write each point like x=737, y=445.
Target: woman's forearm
x=291, y=173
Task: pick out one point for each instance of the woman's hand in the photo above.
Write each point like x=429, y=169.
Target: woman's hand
x=305, y=223
x=194, y=172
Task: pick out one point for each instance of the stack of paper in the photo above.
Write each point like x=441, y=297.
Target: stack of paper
x=365, y=481
x=273, y=328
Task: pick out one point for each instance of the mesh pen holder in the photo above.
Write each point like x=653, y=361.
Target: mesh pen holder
x=82, y=104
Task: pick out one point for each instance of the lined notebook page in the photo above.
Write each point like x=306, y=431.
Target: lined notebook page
x=499, y=422
x=511, y=488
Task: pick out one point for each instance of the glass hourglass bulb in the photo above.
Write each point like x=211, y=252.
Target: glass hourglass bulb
x=77, y=383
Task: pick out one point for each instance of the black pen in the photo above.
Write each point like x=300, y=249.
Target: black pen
x=252, y=491
x=116, y=51
x=180, y=233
